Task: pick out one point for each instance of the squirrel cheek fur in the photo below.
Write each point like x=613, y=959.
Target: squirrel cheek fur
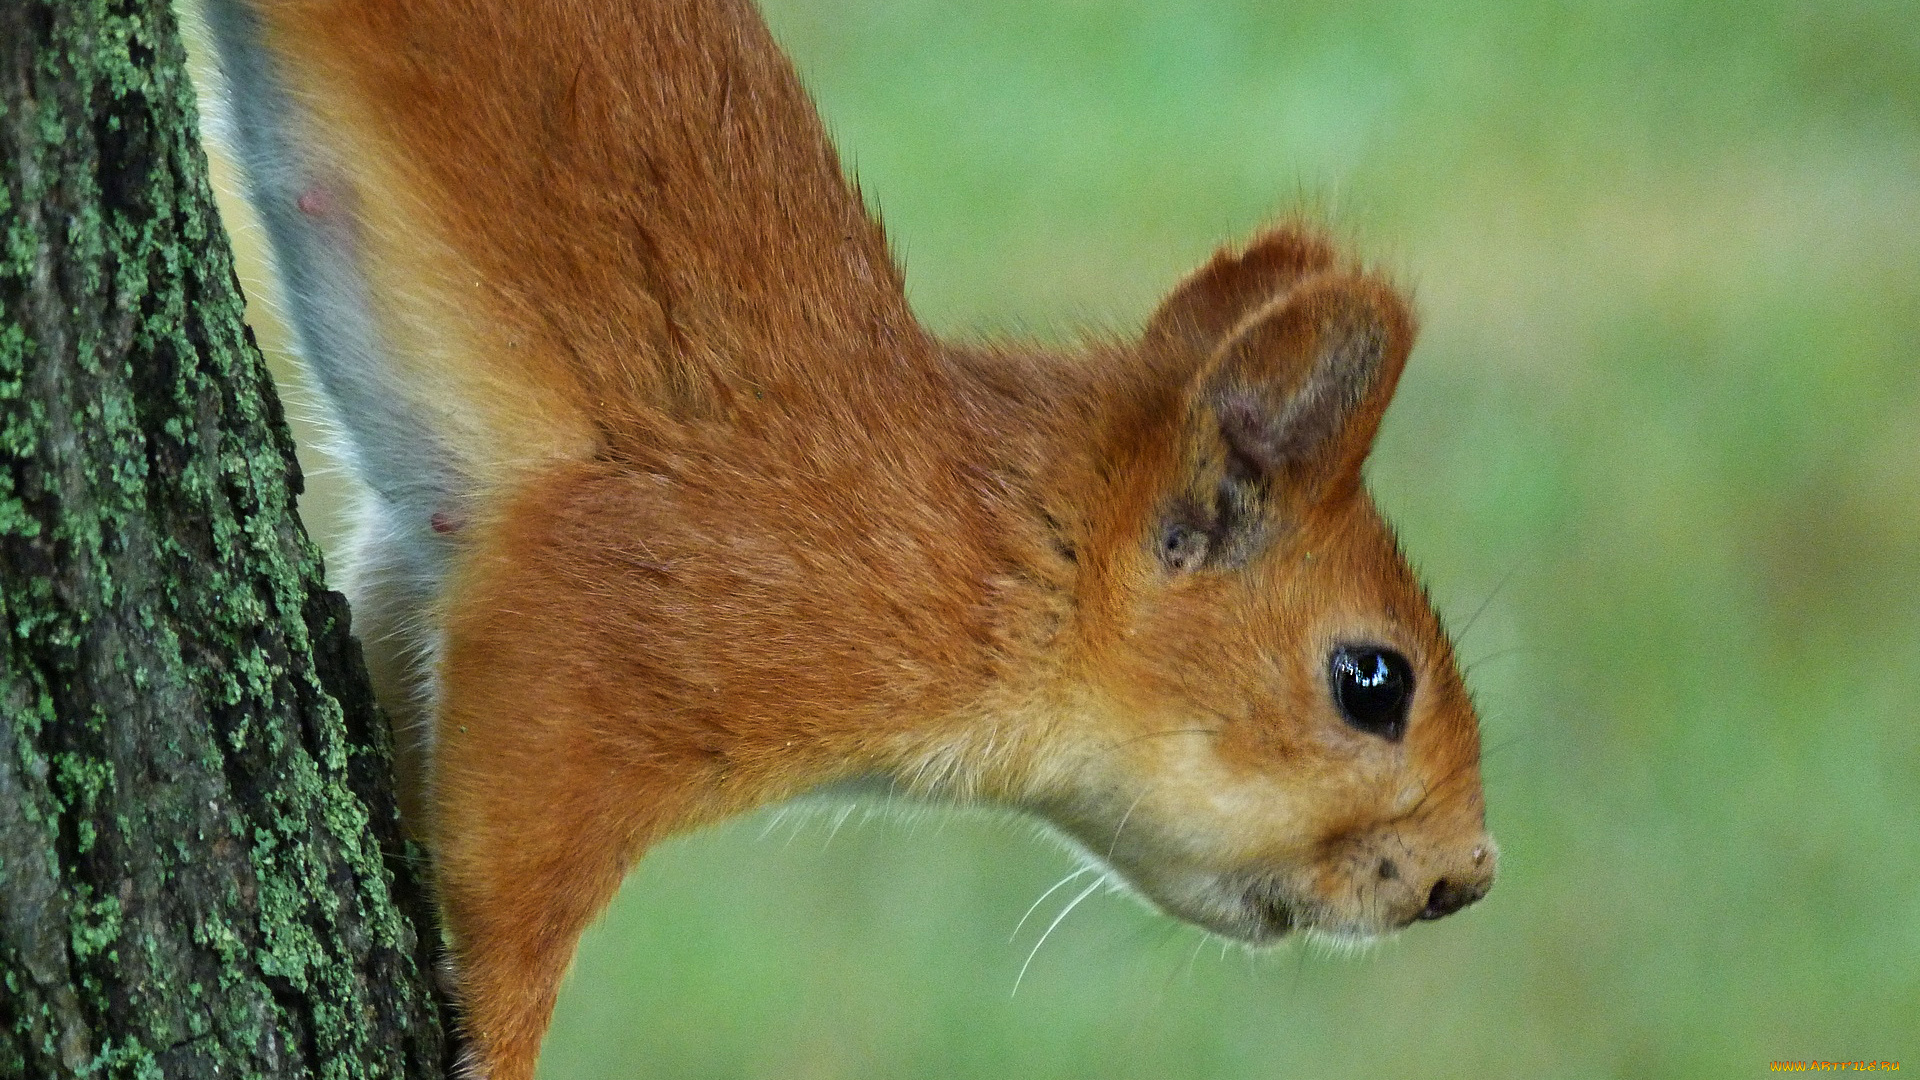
x=675, y=510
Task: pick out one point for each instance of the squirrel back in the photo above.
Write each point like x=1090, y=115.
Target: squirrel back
x=676, y=509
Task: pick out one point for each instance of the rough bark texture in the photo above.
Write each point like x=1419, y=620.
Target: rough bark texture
x=200, y=869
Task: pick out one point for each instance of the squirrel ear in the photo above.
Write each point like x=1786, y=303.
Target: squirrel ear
x=1202, y=310
x=1283, y=417
x=1299, y=390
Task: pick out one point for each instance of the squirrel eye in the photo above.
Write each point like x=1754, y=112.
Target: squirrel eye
x=1373, y=688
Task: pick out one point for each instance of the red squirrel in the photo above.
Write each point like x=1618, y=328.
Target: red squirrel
x=675, y=510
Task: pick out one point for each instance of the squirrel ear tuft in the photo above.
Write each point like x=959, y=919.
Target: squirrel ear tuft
x=1299, y=389
x=1282, y=418
x=1213, y=300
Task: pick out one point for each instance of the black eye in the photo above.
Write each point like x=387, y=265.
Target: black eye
x=1373, y=688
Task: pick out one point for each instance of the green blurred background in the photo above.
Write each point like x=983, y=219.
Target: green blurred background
x=1663, y=426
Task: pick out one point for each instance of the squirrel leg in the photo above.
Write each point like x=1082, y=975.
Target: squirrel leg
x=529, y=849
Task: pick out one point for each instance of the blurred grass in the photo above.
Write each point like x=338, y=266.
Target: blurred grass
x=1664, y=423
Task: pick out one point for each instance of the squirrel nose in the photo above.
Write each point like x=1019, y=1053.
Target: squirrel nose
x=1450, y=896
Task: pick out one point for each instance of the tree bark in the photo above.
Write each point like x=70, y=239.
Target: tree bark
x=201, y=871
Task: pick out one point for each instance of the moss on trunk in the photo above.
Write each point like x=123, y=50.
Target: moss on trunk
x=200, y=869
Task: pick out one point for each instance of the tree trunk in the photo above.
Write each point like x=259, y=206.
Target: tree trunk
x=200, y=868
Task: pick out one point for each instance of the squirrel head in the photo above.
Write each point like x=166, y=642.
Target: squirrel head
x=1266, y=728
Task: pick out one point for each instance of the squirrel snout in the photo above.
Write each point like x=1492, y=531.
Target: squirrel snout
x=1461, y=885
x=1449, y=896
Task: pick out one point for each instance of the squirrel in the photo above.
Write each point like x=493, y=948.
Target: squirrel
x=675, y=510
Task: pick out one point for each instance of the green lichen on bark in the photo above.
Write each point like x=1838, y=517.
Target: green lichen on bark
x=200, y=869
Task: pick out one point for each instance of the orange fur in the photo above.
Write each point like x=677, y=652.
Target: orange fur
x=737, y=526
